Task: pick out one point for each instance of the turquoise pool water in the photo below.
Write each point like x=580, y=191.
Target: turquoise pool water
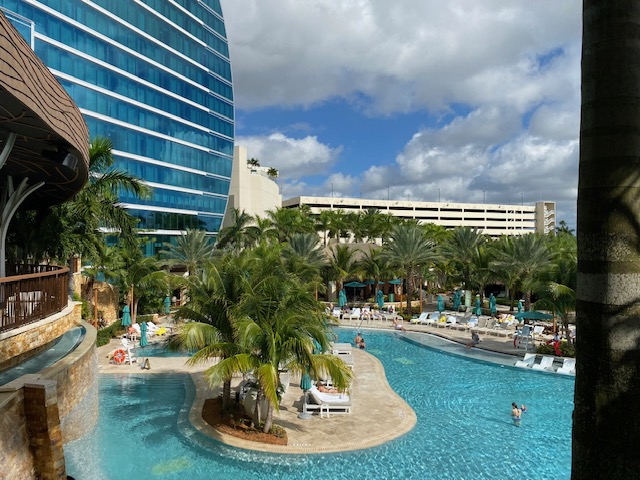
x=464, y=430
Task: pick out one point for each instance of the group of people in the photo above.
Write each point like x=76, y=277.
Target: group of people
x=516, y=413
x=359, y=341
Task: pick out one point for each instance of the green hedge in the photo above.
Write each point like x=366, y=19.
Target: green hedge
x=106, y=334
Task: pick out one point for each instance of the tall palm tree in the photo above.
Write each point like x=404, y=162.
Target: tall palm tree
x=214, y=293
x=531, y=259
x=607, y=385
x=262, y=230
x=342, y=264
x=289, y=221
x=410, y=250
x=191, y=250
x=304, y=258
x=460, y=249
x=234, y=236
x=505, y=265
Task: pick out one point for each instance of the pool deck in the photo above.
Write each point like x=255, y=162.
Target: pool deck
x=378, y=413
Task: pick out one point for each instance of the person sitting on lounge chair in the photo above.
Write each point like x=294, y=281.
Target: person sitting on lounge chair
x=324, y=389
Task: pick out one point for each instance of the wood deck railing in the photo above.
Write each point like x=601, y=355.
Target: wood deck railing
x=30, y=297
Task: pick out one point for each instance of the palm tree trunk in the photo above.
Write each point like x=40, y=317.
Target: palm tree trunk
x=255, y=422
x=409, y=291
x=607, y=389
x=268, y=422
x=226, y=394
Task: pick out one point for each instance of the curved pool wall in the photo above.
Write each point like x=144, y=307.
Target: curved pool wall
x=464, y=427
x=75, y=381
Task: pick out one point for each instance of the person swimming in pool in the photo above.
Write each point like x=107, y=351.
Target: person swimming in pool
x=516, y=414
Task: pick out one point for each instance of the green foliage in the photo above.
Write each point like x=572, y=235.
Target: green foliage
x=106, y=334
x=566, y=349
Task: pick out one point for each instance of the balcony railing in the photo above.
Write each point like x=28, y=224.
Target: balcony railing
x=27, y=298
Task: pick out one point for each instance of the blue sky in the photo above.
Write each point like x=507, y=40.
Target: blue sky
x=477, y=99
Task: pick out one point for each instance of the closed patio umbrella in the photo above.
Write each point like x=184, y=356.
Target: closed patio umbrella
x=305, y=385
x=126, y=316
x=492, y=304
x=167, y=305
x=456, y=300
x=478, y=306
x=342, y=298
x=143, y=334
x=440, y=303
x=380, y=298
x=519, y=306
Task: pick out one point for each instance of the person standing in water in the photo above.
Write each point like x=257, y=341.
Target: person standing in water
x=516, y=414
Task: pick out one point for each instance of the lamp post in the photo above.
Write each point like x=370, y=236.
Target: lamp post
x=331, y=190
x=438, y=195
x=522, y=198
x=484, y=196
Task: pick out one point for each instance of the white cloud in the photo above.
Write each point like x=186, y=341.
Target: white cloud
x=294, y=158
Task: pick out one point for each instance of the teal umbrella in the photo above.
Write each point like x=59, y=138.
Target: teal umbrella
x=519, y=306
x=167, y=305
x=456, y=300
x=305, y=385
x=478, y=306
x=126, y=316
x=342, y=298
x=380, y=298
x=143, y=334
x=354, y=285
x=533, y=315
x=440, y=303
x=492, y=304
x=397, y=281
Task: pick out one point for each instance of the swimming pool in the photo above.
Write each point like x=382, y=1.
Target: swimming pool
x=463, y=432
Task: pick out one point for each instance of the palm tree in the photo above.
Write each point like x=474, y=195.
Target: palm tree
x=342, y=264
x=531, y=260
x=141, y=277
x=607, y=383
x=410, y=250
x=505, y=265
x=374, y=266
x=289, y=221
x=278, y=323
x=304, y=258
x=262, y=231
x=214, y=293
x=460, y=249
x=234, y=236
x=191, y=250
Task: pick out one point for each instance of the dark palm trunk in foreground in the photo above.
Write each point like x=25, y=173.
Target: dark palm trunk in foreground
x=606, y=423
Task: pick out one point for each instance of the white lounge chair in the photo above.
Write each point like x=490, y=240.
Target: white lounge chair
x=451, y=322
x=546, y=364
x=341, y=348
x=568, y=367
x=421, y=319
x=329, y=402
x=355, y=314
x=337, y=311
x=527, y=360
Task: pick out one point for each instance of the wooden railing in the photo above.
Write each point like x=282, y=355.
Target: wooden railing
x=31, y=297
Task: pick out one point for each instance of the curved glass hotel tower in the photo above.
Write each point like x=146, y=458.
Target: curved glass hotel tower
x=155, y=77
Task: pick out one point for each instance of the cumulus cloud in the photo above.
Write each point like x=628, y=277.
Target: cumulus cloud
x=501, y=79
x=293, y=158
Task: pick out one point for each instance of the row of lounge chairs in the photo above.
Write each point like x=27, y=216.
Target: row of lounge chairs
x=363, y=314
x=546, y=364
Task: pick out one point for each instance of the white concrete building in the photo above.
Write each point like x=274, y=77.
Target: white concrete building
x=491, y=219
x=251, y=190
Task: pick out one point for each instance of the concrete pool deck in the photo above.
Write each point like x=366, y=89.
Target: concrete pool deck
x=378, y=414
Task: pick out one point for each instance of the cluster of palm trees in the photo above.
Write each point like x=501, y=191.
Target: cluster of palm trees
x=370, y=245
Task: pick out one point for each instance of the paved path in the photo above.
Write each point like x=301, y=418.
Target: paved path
x=378, y=413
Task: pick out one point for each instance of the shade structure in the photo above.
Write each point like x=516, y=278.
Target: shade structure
x=397, y=281
x=354, y=285
x=478, y=310
x=440, y=303
x=167, y=305
x=342, y=298
x=533, y=315
x=456, y=299
x=143, y=334
x=519, y=306
x=380, y=298
x=373, y=282
x=126, y=316
x=492, y=304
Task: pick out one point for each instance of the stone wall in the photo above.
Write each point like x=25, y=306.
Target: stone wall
x=15, y=455
x=18, y=344
x=76, y=385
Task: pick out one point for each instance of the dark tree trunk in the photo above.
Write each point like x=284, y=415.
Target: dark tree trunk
x=226, y=394
x=606, y=426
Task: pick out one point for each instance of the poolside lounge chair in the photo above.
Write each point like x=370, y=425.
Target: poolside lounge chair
x=546, y=363
x=355, y=314
x=489, y=324
x=504, y=329
x=568, y=367
x=451, y=322
x=537, y=332
x=527, y=360
x=341, y=348
x=337, y=312
x=329, y=402
x=421, y=319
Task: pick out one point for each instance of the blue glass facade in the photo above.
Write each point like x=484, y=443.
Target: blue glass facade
x=155, y=77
